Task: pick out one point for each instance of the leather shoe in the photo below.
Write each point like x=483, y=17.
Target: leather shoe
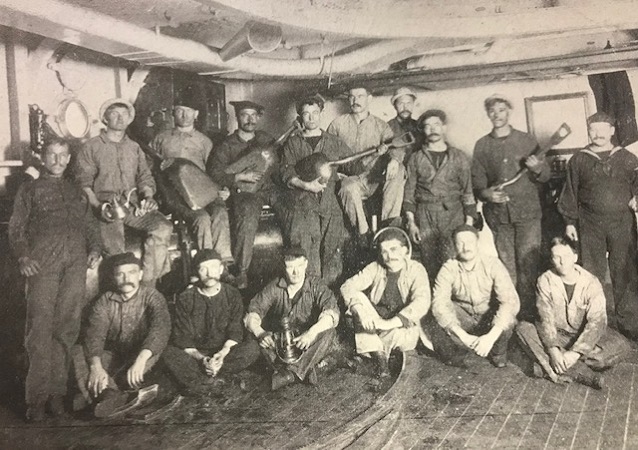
x=56, y=405
x=110, y=400
x=35, y=412
x=281, y=379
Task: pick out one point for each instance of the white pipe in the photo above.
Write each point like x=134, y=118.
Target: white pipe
x=38, y=16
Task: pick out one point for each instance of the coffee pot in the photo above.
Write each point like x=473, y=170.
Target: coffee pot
x=116, y=209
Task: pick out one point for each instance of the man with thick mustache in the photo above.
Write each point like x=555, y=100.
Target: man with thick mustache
x=245, y=207
x=361, y=130
x=387, y=300
x=438, y=194
x=55, y=236
x=208, y=334
x=110, y=166
x=474, y=304
x=596, y=203
x=126, y=334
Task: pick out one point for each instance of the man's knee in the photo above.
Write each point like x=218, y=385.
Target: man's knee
x=350, y=189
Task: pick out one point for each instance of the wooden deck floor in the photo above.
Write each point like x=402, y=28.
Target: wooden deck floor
x=429, y=406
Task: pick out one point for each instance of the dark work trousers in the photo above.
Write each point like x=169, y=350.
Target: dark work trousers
x=245, y=210
x=436, y=223
x=188, y=372
x=322, y=237
x=155, y=259
x=611, y=349
x=518, y=246
x=312, y=356
x=615, y=234
x=451, y=350
x=115, y=364
x=55, y=299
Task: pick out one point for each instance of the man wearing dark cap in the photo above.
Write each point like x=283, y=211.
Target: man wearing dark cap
x=403, y=101
x=438, y=193
x=361, y=130
x=474, y=304
x=126, y=334
x=315, y=219
x=596, y=203
x=208, y=332
x=111, y=167
x=55, y=236
x=210, y=224
x=245, y=206
x=514, y=213
x=387, y=300
x=312, y=314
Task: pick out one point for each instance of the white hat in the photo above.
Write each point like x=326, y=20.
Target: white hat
x=401, y=92
x=112, y=101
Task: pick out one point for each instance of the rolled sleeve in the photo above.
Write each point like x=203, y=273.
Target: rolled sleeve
x=509, y=303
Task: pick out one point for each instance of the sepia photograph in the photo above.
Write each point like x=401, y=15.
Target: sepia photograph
x=318, y=224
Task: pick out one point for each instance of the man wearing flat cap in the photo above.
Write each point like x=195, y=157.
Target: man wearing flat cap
x=596, y=204
x=111, y=167
x=474, y=304
x=245, y=206
x=208, y=332
x=127, y=331
x=315, y=218
x=210, y=224
x=361, y=130
x=513, y=213
x=438, y=193
x=403, y=101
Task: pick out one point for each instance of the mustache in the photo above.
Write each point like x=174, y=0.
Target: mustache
x=125, y=284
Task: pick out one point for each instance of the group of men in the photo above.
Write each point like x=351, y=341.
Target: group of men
x=59, y=228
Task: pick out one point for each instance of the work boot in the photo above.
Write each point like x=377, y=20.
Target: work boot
x=110, y=400
x=582, y=374
x=381, y=361
x=35, y=412
x=56, y=405
x=281, y=379
x=499, y=361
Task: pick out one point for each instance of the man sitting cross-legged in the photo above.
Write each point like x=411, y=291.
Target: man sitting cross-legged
x=572, y=337
x=474, y=304
x=127, y=331
x=312, y=312
x=208, y=332
x=388, y=300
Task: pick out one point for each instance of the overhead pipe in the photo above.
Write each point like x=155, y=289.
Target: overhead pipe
x=260, y=37
x=49, y=16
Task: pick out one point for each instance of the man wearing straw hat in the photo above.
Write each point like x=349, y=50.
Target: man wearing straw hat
x=111, y=168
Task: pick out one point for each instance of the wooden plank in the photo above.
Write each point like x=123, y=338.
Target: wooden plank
x=620, y=385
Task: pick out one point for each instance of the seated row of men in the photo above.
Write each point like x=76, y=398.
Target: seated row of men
x=473, y=309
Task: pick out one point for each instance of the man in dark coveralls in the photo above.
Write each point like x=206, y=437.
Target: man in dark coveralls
x=55, y=237
x=403, y=101
x=313, y=313
x=514, y=213
x=208, y=332
x=315, y=219
x=595, y=203
x=245, y=207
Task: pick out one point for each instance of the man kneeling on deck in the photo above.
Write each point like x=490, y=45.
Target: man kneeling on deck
x=309, y=308
x=127, y=331
x=207, y=329
x=572, y=337
x=398, y=297
x=474, y=304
